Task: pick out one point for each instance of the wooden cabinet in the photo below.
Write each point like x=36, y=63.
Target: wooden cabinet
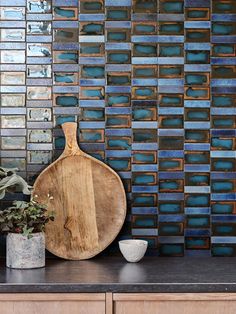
x=118, y=303
x=174, y=303
x=52, y=303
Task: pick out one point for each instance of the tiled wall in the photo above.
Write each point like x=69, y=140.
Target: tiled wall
x=152, y=85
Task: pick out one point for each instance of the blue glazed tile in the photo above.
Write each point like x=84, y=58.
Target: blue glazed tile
x=92, y=82
x=36, y=60
x=166, y=132
x=193, y=168
x=170, y=17
x=198, y=3
x=197, y=189
x=223, y=154
x=223, y=17
x=144, y=210
x=64, y=111
x=91, y=39
x=144, y=168
x=197, y=146
x=66, y=3
x=124, y=175
x=38, y=17
x=120, y=24
x=197, y=211
x=142, y=50
x=91, y=125
x=222, y=175
x=65, y=89
x=118, y=89
x=171, y=175
x=38, y=39
x=167, y=111
x=13, y=24
x=169, y=249
x=165, y=60
x=223, y=61
x=223, y=90
x=13, y=13
x=144, y=189
x=173, y=90
x=118, y=132
x=170, y=39
x=93, y=146
x=197, y=104
x=171, y=218
x=223, y=197
x=92, y=103
x=145, y=125
x=114, y=110
x=121, y=3
x=144, y=82
x=175, y=82
x=118, y=67
x=5, y=46
x=197, y=253
x=223, y=39
x=13, y=89
x=116, y=153
x=146, y=232
x=223, y=250
x=144, y=39
x=65, y=25
x=171, y=196
x=223, y=82
x=91, y=17
x=118, y=46
x=15, y=67
x=223, y=132
x=223, y=218
x=144, y=146
x=15, y=3
x=197, y=67
x=197, y=46
x=170, y=239
x=199, y=232
x=197, y=24
x=63, y=68
x=143, y=60
x=144, y=17
x=223, y=240
x=196, y=125
x=170, y=154
x=66, y=46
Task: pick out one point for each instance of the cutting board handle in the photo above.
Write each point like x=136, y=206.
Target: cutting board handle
x=71, y=146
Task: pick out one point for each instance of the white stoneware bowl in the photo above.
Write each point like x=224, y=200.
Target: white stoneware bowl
x=133, y=250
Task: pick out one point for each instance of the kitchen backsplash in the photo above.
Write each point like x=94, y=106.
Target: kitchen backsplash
x=152, y=86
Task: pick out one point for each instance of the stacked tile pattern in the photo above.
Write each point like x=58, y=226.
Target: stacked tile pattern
x=152, y=86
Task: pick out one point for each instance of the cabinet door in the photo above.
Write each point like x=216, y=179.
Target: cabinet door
x=52, y=303
x=175, y=303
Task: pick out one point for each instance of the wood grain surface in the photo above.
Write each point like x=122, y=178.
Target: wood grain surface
x=47, y=303
x=88, y=199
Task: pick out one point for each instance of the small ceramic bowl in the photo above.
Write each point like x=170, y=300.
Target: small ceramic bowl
x=133, y=250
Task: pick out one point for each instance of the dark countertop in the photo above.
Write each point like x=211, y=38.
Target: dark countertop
x=113, y=274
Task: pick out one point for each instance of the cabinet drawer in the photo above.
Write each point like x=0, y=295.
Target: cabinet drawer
x=174, y=303
x=52, y=303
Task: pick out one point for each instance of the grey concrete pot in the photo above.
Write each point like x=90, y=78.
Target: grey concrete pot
x=25, y=253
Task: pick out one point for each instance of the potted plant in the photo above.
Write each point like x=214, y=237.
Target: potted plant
x=24, y=224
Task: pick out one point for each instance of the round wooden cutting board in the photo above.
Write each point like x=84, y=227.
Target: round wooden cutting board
x=88, y=199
